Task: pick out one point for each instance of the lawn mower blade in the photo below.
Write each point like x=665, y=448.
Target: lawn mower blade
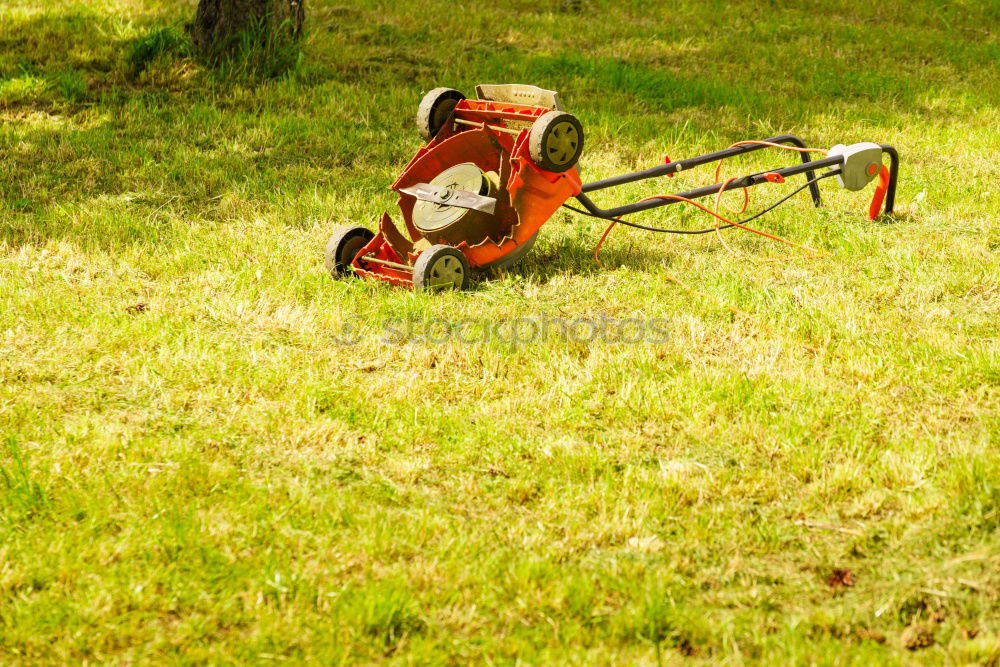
x=451, y=197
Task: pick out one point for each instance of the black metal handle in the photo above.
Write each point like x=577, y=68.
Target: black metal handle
x=890, y=193
x=810, y=176
x=682, y=165
x=734, y=184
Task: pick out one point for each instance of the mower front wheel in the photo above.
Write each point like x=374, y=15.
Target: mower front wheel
x=441, y=267
x=556, y=141
x=435, y=110
x=343, y=247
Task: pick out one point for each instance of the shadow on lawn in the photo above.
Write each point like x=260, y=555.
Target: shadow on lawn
x=72, y=167
x=575, y=255
x=46, y=44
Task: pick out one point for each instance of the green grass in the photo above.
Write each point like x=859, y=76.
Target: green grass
x=193, y=469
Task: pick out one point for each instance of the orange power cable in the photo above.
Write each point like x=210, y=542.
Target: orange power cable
x=732, y=222
x=718, y=200
x=746, y=191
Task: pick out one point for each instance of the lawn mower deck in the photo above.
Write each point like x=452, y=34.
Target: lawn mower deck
x=497, y=167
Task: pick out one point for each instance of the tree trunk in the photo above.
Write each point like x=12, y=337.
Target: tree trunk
x=220, y=24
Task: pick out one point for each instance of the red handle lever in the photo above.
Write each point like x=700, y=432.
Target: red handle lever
x=667, y=160
x=883, y=186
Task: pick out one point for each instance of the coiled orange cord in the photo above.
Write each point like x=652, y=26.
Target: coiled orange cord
x=746, y=191
x=718, y=201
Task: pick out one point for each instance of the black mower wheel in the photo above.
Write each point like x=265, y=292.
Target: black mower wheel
x=441, y=267
x=435, y=109
x=556, y=141
x=343, y=247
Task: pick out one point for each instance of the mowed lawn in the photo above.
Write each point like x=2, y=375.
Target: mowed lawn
x=211, y=451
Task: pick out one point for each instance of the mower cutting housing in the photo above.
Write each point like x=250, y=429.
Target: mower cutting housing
x=476, y=187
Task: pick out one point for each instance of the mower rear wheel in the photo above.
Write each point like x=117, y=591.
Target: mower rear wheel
x=435, y=109
x=343, y=247
x=556, y=141
x=441, y=267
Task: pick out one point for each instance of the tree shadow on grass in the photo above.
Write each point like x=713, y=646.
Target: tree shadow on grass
x=575, y=255
x=72, y=169
x=51, y=43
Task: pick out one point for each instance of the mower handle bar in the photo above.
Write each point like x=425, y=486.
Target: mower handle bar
x=807, y=167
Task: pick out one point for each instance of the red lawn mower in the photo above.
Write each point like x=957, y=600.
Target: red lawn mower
x=495, y=168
